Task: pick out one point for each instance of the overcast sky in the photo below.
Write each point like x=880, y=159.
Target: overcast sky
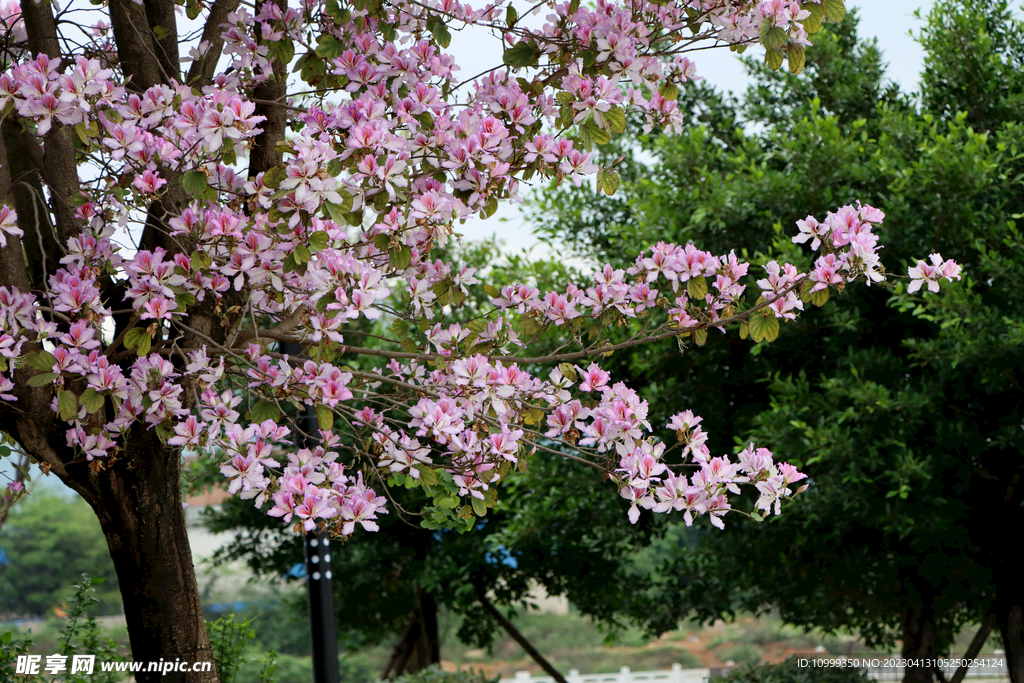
x=890, y=21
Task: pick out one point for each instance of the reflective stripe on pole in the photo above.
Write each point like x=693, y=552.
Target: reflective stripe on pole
x=321, y=608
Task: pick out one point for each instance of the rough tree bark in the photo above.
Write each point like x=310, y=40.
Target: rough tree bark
x=136, y=493
x=419, y=646
x=919, y=642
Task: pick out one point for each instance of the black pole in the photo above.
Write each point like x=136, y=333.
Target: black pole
x=317, y=551
x=321, y=608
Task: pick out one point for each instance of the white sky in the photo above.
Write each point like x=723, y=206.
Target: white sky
x=890, y=21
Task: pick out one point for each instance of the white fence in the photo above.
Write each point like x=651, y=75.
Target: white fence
x=677, y=674
x=989, y=667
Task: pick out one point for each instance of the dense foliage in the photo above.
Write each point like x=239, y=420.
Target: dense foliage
x=905, y=413
x=48, y=543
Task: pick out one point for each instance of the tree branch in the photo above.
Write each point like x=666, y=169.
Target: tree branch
x=135, y=48
x=59, y=157
x=201, y=72
x=974, y=648
x=517, y=636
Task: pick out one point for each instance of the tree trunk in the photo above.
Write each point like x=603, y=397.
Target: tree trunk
x=1010, y=597
x=918, y=642
x=419, y=646
x=138, y=502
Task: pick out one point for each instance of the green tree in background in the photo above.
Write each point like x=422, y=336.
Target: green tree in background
x=48, y=542
x=906, y=415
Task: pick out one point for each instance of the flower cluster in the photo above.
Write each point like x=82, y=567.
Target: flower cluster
x=386, y=154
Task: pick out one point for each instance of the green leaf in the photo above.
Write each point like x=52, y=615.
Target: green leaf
x=568, y=371
x=764, y=328
x=43, y=379
x=490, y=290
x=700, y=337
x=264, y=410
x=399, y=328
x=408, y=345
x=812, y=24
x=776, y=38
x=616, y=119
x=92, y=400
x=441, y=33
x=609, y=181
x=599, y=135
x=511, y=16
x=326, y=417
x=796, y=56
x=274, y=176
x=400, y=258
x=40, y=360
x=478, y=507
x=774, y=58
x=324, y=301
x=195, y=183
x=697, y=287
x=521, y=55
x=337, y=213
x=67, y=405
x=443, y=291
x=490, y=207
x=382, y=241
x=301, y=254
x=820, y=298
x=134, y=337
x=835, y=10
x=200, y=260
x=529, y=327
x=284, y=50
x=318, y=241
x=565, y=98
x=428, y=475
x=329, y=47
x=670, y=91
x=744, y=329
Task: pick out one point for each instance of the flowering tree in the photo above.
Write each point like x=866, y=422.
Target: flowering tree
x=147, y=284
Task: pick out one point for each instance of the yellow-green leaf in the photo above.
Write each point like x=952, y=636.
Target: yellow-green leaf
x=835, y=10
x=400, y=258
x=478, y=507
x=764, y=328
x=795, y=54
x=776, y=37
x=325, y=416
x=42, y=380
x=67, y=405
x=697, y=287
x=616, y=119
x=813, y=23
x=264, y=410
x=428, y=475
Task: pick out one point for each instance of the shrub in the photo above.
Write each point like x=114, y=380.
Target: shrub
x=741, y=654
x=435, y=674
